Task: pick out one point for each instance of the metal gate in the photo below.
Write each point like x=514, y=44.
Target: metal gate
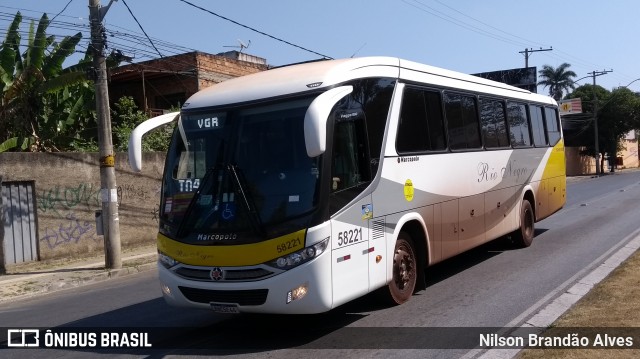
x=20, y=222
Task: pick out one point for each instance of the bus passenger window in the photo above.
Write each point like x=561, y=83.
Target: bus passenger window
x=553, y=130
x=421, y=125
x=462, y=121
x=537, y=126
x=494, y=124
x=518, y=125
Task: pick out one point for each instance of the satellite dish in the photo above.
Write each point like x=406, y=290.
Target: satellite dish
x=242, y=45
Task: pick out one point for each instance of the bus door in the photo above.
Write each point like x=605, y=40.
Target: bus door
x=350, y=251
x=352, y=212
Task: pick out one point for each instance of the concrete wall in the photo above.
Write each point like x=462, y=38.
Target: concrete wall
x=629, y=153
x=215, y=69
x=68, y=194
x=578, y=164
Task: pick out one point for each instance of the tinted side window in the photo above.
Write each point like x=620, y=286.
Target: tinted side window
x=358, y=132
x=374, y=95
x=518, y=125
x=421, y=125
x=462, y=121
x=553, y=128
x=537, y=126
x=494, y=124
x=349, y=165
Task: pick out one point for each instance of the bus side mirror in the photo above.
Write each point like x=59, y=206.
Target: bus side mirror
x=315, y=120
x=135, y=139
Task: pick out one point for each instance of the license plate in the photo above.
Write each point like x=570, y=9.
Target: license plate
x=225, y=308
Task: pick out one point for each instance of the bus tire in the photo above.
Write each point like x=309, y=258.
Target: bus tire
x=523, y=237
x=405, y=271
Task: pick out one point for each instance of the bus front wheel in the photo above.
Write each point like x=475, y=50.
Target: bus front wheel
x=524, y=235
x=405, y=270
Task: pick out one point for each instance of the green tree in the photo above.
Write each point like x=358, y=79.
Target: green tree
x=125, y=116
x=31, y=81
x=558, y=79
x=618, y=113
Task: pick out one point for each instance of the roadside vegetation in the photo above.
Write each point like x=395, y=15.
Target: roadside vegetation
x=45, y=107
x=618, y=111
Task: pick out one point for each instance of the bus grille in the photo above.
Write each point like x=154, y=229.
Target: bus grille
x=240, y=297
x=229, y=275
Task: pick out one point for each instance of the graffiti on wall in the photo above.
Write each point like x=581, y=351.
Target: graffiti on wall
x=70, y=231
x=68, y=205
x=60, y=199
x=131, y=193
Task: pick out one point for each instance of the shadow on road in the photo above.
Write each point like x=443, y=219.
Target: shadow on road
x=178, y=331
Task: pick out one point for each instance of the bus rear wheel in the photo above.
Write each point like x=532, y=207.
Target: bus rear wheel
x=405, y=271
x=523, y=237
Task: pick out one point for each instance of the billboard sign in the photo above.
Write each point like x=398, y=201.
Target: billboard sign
x=569, y=106
x=524, y=78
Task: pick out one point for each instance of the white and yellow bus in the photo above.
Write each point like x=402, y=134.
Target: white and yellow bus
x=298, y=189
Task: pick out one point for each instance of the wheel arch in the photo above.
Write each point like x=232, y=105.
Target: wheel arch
x=529, y=194
x=414, y=225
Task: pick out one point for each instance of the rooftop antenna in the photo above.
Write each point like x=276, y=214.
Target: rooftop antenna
x=358, y=50
x=242, y=45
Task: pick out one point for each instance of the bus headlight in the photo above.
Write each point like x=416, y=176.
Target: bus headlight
x=304, y=255
x=166, y=261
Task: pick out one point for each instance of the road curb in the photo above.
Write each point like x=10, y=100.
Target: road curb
x=546, y=316
x=31, y=285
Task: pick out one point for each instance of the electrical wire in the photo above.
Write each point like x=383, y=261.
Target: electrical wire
x=512, y=39
x=138, y=22
x=255, y=30
x=63, y=9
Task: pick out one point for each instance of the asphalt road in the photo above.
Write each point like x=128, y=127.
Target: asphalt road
x=491, y=286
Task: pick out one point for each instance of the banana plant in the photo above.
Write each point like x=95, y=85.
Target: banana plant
x=31, y=81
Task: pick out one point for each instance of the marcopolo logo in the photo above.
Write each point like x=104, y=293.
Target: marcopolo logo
x=23, y=338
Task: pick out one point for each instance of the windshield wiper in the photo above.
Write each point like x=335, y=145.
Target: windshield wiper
x=247, y=198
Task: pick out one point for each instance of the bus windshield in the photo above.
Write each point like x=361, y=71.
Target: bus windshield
x=238, y=170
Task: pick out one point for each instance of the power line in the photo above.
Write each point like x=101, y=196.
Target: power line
x=138, y=22
x=255, y=30
x=511, y=39
x=63, y=9
x=487, y=25
x=439, y=14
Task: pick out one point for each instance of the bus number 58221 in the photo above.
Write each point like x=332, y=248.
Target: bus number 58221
x=349, y=237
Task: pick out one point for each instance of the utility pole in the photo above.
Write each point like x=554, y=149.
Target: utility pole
x=526, y=53
x=108, y=189
x=595, y=116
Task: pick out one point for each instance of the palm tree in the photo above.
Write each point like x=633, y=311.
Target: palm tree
x=559, y=79
x=27, y=79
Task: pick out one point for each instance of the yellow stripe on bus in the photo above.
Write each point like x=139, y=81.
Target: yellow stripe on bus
x=236, y=255
x=555, y=165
